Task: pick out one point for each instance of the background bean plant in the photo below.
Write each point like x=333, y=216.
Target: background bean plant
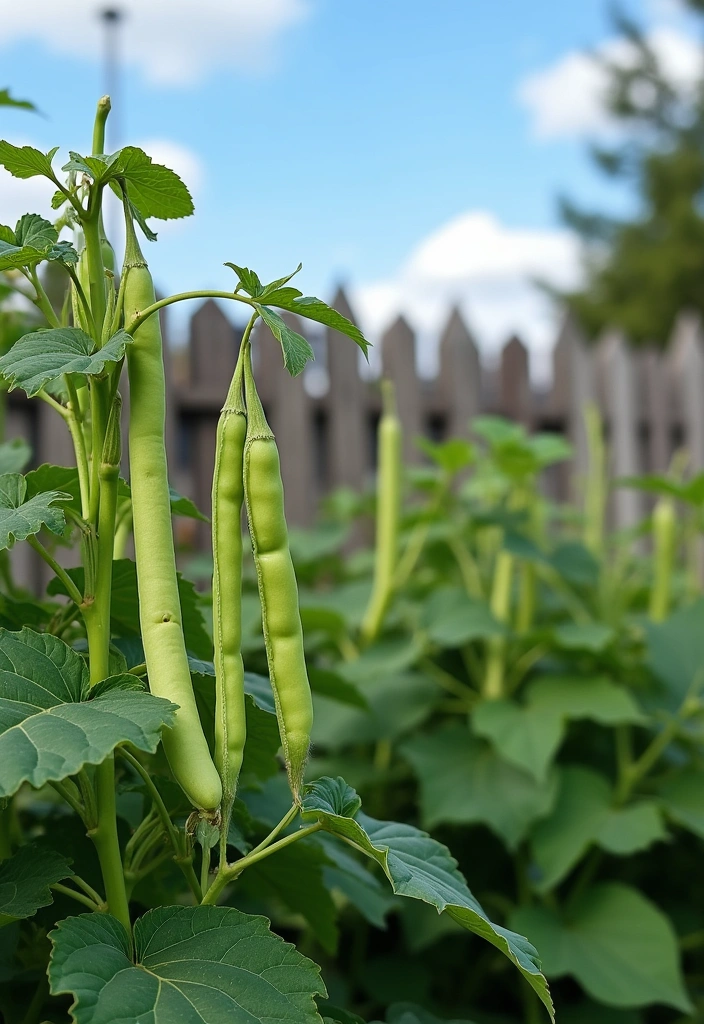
x=146, y=820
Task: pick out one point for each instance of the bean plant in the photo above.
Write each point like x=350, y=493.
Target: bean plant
x=148, y=821
x=532, y=696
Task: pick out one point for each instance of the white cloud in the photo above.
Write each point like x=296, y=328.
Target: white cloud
x=172, y=42
x=485, y=268
x=566, y=98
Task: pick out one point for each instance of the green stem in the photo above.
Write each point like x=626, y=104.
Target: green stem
x=107, y=844
x=639, y=769
x=71, y=588
x=184, y=861
x=85, y=305
x=87, y=889
x=229, y=874
x=56, y=406
x=137, y=321
x=469, y=570
x=79, y=897
x=101, y=116
x=79, y=445
x=66, y=789
x=42, y=300
x=96, y=270
x=99, y=415
x=526, y=598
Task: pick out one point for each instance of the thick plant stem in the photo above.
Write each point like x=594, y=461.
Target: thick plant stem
x=493, y=688
x=122, y=533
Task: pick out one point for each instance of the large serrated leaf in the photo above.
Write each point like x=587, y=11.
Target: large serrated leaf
x=12, y=257
x=26, y=161
x=21, y=517
x=25, y=880
x=311, y=308
x=297, y=351
x=43, y=356
x=32, y=229
x=155, y=190
x=419, y=867
x=201, y=965
x=49, y=728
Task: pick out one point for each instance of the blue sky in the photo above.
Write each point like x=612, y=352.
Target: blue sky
x=413, y=150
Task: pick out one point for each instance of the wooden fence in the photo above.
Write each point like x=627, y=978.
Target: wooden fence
x=652, y=404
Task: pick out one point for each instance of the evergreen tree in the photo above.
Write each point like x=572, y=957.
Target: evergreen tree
x=641, y=273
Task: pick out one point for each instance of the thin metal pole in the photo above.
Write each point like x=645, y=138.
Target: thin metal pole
x=111, y=17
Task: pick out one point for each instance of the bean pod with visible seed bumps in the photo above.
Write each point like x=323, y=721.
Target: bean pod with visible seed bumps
x=228, y=497
x=278, y=591
x=159, y=606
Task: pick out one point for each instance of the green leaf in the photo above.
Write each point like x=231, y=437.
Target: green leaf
x=395, y=703
x=586, y=636
x=181, y=506
x=575, y=563
x=155, y=190
x=248, y=279
x=630, y=829
x=451, y=456
x=35, y=231
x=43, y=356
x=331, y=684
x=7, y=100
x=420, y=868
x=676, y=652
x=344, y=873
x=453, y=619
x=617, y=944
x=576, y=697
x=527, y=737
x=63, y=252
x=682, y=797
x=12, y=257
x=311, y=308
x=25, y=879
x=14, y=455
x=125, y=605
x=558, y=842
x=276, y=285
x=49, y=726
x=296, y=349
x=22, y=517
x=201, y=965
x=26, y=161
x=585, y=815
x=463, y=781
x=55, y=478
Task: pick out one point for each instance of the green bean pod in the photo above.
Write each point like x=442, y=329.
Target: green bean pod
x=159, y=606
x=278, y=591
x=664, y=550
x=228, y=497
x=388, y=511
